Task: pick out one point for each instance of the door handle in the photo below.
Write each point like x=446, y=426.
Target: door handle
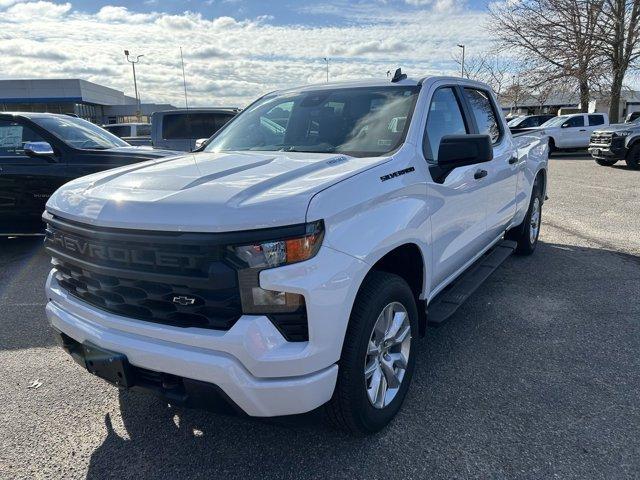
x=480, y=174
x=582, y=130
x=513, y=160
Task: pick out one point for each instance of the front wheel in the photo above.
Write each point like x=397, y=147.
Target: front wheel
x=633, y=157
x=526, y=234
x=378, y=356
x=605, y=162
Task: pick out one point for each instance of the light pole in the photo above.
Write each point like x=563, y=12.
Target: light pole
x=135, y=83
x=462, y=69
x=327, y=62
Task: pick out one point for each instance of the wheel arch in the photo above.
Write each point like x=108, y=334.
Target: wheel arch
x=542, y=174
x=408, y=262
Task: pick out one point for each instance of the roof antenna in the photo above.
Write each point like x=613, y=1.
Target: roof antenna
x=398, y=76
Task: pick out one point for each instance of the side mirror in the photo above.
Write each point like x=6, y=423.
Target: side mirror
x=200, y=142
x=38, y=149
x=564, y=125
x=460, y=150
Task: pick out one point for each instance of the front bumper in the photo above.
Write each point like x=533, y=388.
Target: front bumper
x=260, y=397
x=252, y=363
x=615, y=149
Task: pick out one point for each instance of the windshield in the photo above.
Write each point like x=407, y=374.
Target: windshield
x=366, y=121
x=79, y=133
x=556, y=121
x=515, y=121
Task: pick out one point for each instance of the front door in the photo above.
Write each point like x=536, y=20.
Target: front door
x=575, y=133
x=457, y=203
x=26, y=183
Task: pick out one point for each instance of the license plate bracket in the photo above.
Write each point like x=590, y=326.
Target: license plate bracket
x=110, y=366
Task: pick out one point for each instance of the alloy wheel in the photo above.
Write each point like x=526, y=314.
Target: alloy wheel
x=387, y=354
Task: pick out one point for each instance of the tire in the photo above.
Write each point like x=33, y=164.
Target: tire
x=605, y=162
x=351, y=408
x=526, y=234
x=633, y=157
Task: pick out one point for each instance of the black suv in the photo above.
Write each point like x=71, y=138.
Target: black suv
x=41, y=151
x=530, y=121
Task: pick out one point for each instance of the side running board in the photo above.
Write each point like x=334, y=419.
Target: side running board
x=447, y=302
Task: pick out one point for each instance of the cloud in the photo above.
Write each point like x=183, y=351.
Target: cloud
x=364, y=48
x=206, y=52
x=29, y=49
x=231, y=61
x=27, y=11
x=111, y=14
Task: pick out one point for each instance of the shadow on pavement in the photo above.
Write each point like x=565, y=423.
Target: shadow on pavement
x=24, y=266
x=537, y=376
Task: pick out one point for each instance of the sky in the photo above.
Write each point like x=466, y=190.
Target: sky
x=234, y=50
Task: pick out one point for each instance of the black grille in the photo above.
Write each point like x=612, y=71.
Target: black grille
x=152, y=301
x=173, y=278
x=180, y=280
x=601, y=138
x=293, y=326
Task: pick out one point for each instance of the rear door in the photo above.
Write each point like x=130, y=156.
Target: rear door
x=458, y=218
x=26, y=183
x=502, y=174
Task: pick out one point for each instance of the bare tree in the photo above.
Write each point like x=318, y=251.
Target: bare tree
x=620, y=33
x=490, y=68
x=557, y=38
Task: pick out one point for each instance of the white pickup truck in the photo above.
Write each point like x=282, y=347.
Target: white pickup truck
x=295, y=261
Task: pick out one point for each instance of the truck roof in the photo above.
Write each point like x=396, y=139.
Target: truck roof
x=378, y=82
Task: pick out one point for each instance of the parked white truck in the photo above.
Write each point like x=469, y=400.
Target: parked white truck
x=297, y=259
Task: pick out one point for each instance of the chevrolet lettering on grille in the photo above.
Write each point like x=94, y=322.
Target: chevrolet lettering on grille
x=113, y=253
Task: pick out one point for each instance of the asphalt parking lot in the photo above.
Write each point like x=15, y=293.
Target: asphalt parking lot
x=537, y=376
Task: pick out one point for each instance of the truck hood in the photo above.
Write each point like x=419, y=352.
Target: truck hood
x=206, y=192
x=616, y=127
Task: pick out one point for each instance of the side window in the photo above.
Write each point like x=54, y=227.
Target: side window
x=143, y=130
x=13, y=136
x=577, y=121
x=484, y=113
x=119, y=130
x=445, y=118
x=596, y=120
x=528, y=122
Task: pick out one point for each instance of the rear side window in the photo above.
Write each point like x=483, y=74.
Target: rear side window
x=575, y=122
x=596, y=120
x=186, y=126
x=143, y=130
x=445, y=118
x=484, y=113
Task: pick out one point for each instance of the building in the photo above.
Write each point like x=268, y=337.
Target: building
x=93, y=102
x=569, y=103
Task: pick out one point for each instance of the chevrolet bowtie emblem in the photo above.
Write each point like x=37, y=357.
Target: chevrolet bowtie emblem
x=184, y=300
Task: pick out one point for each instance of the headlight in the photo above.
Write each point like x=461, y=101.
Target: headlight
x=269, y=254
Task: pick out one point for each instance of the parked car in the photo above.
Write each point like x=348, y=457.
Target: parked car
x=568, y=132
x=617, y=142
x=180, y=129
x=632, y=117
x=41, y=151
x=297, y=259
x=528, y=121
x=132, y=133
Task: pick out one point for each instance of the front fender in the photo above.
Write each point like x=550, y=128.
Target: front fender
x=367, y=217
